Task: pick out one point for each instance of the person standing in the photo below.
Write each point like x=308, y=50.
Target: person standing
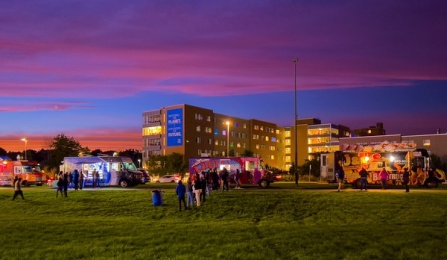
x=65, y=183
x=97, y=179
x=75, y=175
x=17, y=188
x=203, y=185
x=180, y=190
x=236, y=178
x=81, y=180
x=215, y=178
x=384, y=178
x=60, y=185
x=363, y=179
x=257, y=175
x=189, y=191
x=406, y=179
x=225, y=176
x=197, y=189
x=94, y=178
x=340, y=176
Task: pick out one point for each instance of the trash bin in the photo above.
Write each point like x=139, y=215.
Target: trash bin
x=156, y=198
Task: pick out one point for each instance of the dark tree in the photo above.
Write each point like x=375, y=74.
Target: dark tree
x=96, y=152
x=60, y=147
x=175, y=163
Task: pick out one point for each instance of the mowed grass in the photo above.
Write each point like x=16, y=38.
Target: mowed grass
x=283, y=222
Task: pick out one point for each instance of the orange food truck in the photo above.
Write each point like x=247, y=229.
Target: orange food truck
x=29, y=171
x=394, y=157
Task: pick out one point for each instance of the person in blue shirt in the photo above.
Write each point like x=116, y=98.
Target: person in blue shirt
x=180, y=190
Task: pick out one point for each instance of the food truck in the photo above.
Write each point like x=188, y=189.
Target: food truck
x=112, y=170
x=394, y=157
x=28, y=171
x=250, y=168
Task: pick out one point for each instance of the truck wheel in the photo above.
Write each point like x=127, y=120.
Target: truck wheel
x=263, y=183
x=123, y=183
x=431, y=183
x=357, y=184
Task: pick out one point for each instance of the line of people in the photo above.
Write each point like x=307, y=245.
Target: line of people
x=76, y=178
x=201, y=185
x=384, y=177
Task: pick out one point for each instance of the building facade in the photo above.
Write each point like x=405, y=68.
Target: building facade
x=370, y=131
x=194, y=132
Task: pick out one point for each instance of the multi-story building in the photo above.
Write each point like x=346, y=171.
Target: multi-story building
x=313, y=137
x=194, y=132
x=325, y=137
x=370, y=131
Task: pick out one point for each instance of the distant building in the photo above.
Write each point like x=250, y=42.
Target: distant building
x=194, y=132
x=370, y=131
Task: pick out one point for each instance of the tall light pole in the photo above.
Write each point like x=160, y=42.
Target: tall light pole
x=228, y=138
x=26, y=141
x=295, y=61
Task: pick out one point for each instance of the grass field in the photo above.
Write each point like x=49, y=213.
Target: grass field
x=283, y=222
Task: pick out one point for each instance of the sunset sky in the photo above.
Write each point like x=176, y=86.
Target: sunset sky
x=89, y=69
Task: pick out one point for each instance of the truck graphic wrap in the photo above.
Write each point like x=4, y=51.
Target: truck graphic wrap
x=394, y=157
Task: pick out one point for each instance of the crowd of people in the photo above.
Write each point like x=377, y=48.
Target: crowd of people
x=364, y=174
x=75, y=178
x=200, y=185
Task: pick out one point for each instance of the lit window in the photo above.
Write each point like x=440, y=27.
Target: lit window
x=426, y=142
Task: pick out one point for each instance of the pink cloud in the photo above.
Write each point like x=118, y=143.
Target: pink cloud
x=27, y=106
x=122, y=139
x=195, y=48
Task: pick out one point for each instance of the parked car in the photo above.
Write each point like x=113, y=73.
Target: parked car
x=169, y=178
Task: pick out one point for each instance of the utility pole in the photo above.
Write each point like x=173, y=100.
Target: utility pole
x=295, y=61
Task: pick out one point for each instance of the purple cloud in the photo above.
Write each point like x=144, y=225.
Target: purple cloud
x=214, y=48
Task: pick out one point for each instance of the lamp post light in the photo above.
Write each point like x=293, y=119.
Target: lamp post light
x=26, y=141
x=295, y=61
x=228, y=138
x=139, y=163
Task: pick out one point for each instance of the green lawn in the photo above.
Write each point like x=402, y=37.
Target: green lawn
x=283, y=222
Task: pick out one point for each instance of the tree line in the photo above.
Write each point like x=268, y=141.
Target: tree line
x=62, y=146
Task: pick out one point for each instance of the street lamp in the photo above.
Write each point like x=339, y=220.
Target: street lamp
x=26, y=141
x=295, y=61
x=228, y=138
x=139, y=163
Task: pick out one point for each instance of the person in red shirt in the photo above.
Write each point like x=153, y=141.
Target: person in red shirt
x=384, y=178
